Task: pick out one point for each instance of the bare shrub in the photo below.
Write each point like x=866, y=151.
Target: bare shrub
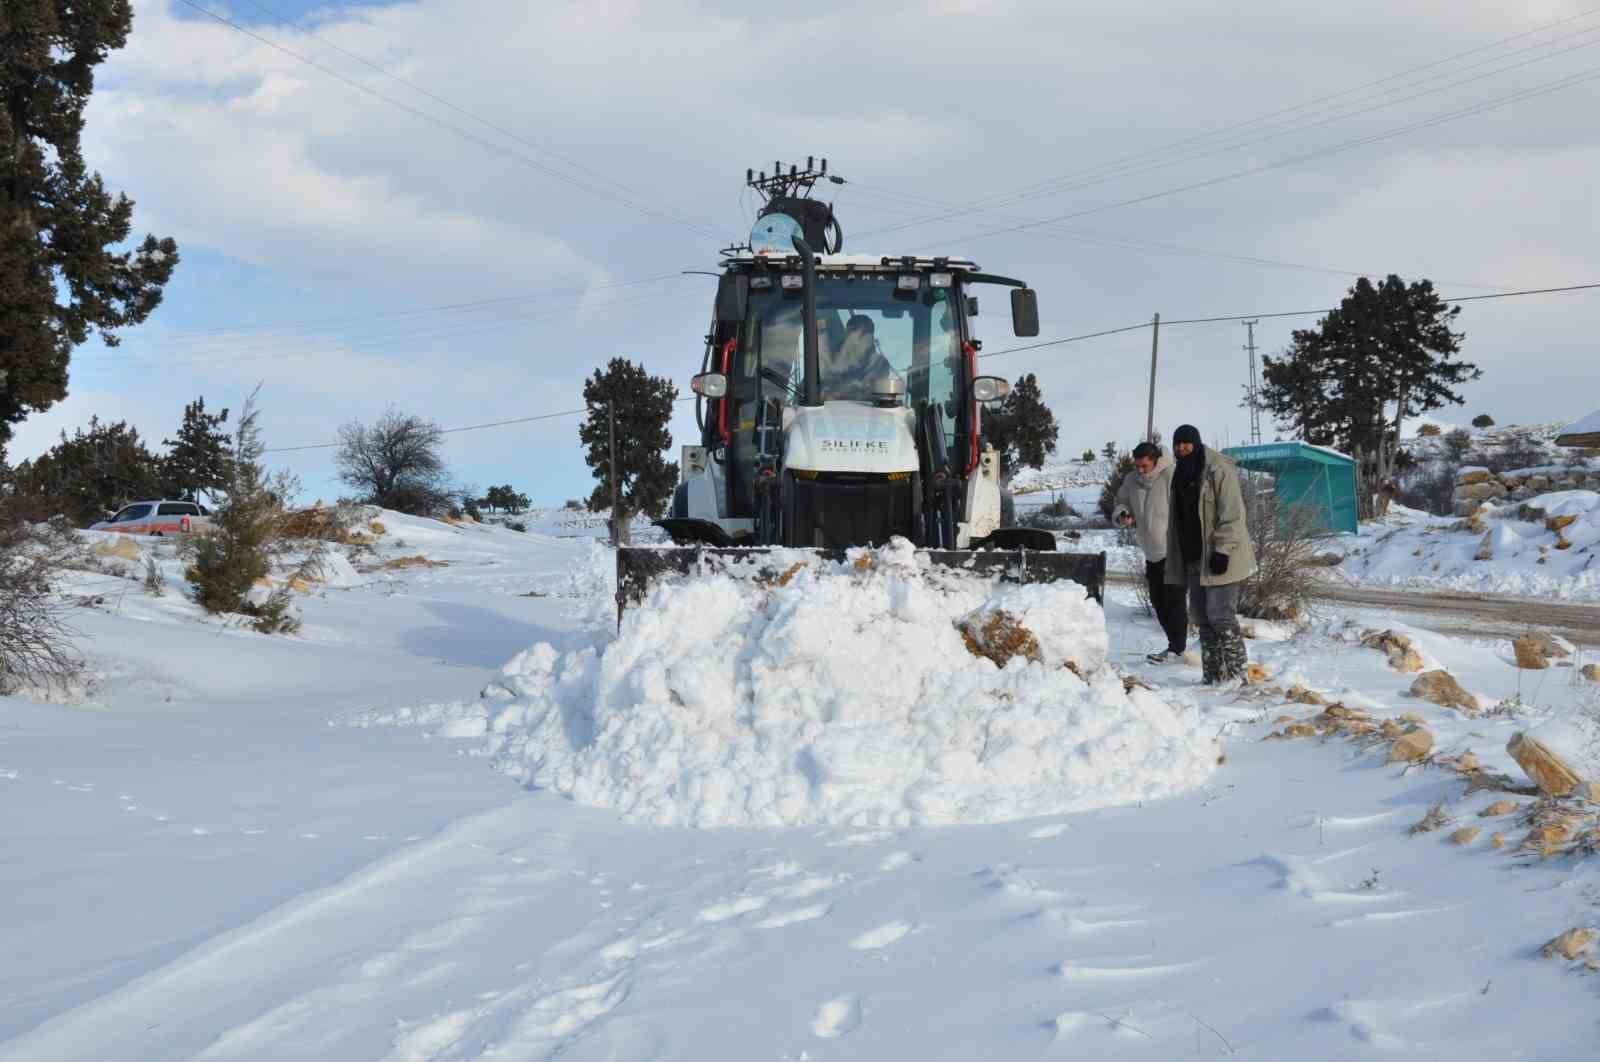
x=1429, y=430
x=1520, y=450
x=396, y=463
x=1285, y=583
x=35, y=641
x=1431, y=491
x=154, y=584
x=1051, y=516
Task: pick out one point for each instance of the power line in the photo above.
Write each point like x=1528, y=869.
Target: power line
x=509, y=134
x=211, y=335
x=443, y=124
x=1121, y=166
x=261, y=350
x=997, y=353
x=1438, y=119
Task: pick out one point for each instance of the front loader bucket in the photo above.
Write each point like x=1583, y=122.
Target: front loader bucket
x=640, y=567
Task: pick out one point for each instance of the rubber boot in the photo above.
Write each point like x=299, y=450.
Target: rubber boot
x=1210, y=661
x=1233, y=660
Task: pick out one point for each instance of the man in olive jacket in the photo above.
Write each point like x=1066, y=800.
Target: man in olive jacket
x=1209, y=551
x=1143, y=503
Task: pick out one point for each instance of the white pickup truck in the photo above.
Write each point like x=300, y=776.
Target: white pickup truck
x=157, y=518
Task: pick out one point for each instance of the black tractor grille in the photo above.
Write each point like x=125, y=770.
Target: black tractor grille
x=837, y=511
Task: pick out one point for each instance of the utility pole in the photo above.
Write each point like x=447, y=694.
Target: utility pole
x=616, y=490
x=1150, y=415
x=1250, y=391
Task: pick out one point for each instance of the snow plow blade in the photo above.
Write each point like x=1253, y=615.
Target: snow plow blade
x=640, y=567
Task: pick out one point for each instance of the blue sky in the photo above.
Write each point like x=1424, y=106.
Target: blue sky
x=473, y=250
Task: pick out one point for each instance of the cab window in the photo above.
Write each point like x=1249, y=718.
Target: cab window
x=176, y=509
x=132, y=513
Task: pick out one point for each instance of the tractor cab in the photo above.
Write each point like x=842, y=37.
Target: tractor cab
x=840, y=404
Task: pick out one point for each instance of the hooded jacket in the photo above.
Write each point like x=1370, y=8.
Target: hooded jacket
x=1222, y=526
x=1148, y=501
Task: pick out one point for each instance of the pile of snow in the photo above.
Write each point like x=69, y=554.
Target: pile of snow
x=841, y=694
x=1062, y=475
x=1503, y=554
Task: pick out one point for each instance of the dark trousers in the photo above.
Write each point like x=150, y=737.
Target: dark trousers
x=1169, y=603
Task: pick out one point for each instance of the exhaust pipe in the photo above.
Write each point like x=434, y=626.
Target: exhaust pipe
x=811, y=386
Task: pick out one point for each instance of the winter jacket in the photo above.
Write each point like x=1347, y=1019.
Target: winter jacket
x=1222, y=526
x=1148, y=502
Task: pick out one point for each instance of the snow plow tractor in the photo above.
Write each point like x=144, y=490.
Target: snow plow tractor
x=840, y=404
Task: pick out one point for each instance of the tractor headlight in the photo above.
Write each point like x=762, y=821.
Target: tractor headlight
x=940, y=280
x=908, y=282
x=990, y=388
x=760, y=282
x=793, y=282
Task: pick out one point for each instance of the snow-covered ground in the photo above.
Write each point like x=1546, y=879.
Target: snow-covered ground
x=1508, y=549
x=241, y=846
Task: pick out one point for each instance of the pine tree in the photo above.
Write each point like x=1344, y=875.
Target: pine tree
x=1483, y=420
x=59, y=277
x=89, y=474
x=643, y=411
x=1023, y=429
x=1385, y=354
x=197, y=459
x=1120, y=468
x=236, y=551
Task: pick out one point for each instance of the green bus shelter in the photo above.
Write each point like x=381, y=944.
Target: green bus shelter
x=1302, y=474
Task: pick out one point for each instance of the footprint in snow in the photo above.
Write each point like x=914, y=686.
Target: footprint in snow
x=1043, y=833
x=896, y=860
x=837, y=1016
x=721, y=912
x=885, y=935
x=869, y=837
x=799, y=914
x=1125, y=971
x=807, y=887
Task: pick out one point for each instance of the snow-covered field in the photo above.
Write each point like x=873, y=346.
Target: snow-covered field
x=238, y=846
x=1509, y=549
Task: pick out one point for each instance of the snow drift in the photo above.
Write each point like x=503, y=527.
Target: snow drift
x=841, y=694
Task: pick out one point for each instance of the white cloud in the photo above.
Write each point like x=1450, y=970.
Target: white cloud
x=241, y=150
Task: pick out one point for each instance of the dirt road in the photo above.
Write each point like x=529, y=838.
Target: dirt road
x=1482, y=615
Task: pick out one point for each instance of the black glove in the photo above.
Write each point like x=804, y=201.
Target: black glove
x=1219, y=563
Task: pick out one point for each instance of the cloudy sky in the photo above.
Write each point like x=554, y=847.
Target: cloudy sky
x=460, y=208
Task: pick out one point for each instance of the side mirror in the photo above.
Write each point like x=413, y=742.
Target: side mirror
x=733, y=297
x=1024, y=311
x=972, y=306
x=990, y=388
x=709, y=385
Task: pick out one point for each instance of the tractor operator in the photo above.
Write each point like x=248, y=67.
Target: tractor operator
x=857, y=365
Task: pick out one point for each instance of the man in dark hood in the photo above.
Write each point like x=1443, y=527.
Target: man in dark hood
x=1209, y=550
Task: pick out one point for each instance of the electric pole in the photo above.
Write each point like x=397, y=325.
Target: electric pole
x=1150, y=415
x=1250, y=390
x=616, y=489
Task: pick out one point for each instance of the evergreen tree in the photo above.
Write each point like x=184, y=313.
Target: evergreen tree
x=1483, y=420
x=236, y=551
x=1120, y=468
x=1385, y=354
x=89, y=474
x=1023, y=429
x=1109, y=451
x=643, y=406
x=60, y=278
x=197, y=459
